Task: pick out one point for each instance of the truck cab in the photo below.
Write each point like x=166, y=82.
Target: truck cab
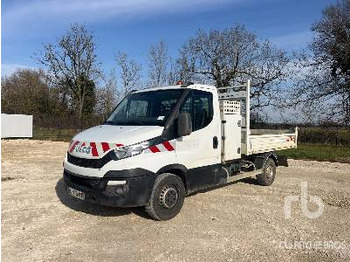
x=161, y=144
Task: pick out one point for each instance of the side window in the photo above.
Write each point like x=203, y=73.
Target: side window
x=200, y=106
x=203, y=109
x=187, y=106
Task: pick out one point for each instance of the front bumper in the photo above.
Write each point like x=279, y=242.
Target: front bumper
x=135, y=192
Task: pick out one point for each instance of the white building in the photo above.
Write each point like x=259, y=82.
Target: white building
x=16, y=126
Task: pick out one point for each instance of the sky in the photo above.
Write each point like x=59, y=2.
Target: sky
x=134, y=25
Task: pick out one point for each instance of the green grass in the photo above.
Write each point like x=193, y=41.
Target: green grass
x=54, y=134
x=318, y=152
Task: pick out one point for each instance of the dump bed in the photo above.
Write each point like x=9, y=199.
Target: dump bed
x=261, y=143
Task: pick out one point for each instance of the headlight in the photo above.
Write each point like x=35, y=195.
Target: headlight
x=133, y=150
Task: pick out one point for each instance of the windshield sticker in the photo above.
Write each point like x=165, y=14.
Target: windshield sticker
x=160, y=118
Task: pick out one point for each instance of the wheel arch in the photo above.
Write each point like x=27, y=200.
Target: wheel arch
x=176, y=169
x=274, y=157
x=260, y=160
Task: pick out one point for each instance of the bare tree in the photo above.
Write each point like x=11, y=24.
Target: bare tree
x=107, y=96
x=324, y=76
x=158, y=61
x=232, y=56
x=173, y=73
x=72, y=65
x=130, y=73
x=184, y=68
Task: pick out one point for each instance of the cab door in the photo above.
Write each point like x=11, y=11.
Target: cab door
x=200, y=152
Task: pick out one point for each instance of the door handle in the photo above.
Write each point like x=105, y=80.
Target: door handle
x=215, y=142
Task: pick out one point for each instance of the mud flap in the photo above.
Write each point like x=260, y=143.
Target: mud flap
x=282, y=161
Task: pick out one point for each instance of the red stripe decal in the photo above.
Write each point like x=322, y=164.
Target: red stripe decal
x=73, y=146
x=154, y=149
x=105, y=146
x=93, y=149
x=168, y=146
x=118, y=145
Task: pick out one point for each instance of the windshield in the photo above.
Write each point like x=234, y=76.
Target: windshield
x=145, y=108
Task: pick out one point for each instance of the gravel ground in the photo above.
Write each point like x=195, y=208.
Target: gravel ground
x=241, y=221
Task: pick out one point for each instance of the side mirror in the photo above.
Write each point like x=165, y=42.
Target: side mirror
x=184, y=124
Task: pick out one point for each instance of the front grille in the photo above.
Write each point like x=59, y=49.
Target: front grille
x=91, y=163
x=92, y=183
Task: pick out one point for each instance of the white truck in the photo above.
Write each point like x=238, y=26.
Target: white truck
x=161, y=144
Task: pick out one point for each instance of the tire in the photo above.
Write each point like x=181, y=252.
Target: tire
x=167, y=197
x=268, y=175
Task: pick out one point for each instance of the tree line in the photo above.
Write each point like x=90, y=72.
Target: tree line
x=71, y=83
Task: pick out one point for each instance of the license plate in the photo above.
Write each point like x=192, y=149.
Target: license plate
x=76, y=193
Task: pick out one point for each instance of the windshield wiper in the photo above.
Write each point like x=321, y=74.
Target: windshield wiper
x=108, y=123
x=124, y=123
x=130, y=123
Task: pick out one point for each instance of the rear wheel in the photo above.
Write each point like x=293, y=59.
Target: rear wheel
x=268, y=175
x=167, y=197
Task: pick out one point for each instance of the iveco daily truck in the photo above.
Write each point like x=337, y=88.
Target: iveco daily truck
x=161, y=144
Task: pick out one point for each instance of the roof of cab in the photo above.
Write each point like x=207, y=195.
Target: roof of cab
x=193, y=86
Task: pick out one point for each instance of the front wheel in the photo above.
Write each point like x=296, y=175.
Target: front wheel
x=268, y=175
x=167, y=197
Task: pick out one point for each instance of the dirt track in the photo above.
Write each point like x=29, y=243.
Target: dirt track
x=242, y=221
